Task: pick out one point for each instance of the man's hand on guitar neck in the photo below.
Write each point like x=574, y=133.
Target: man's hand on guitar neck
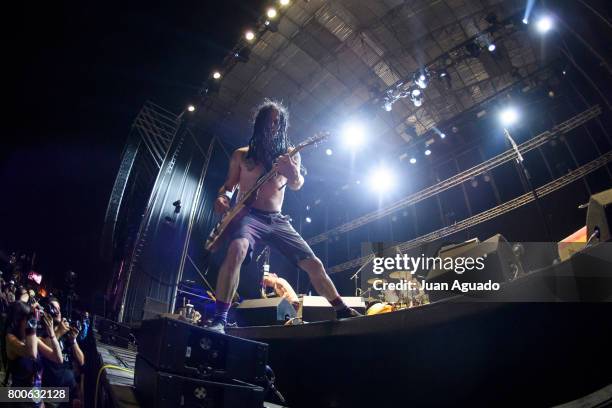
x=289, y=167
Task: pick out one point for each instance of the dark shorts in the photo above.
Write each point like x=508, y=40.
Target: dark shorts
x=273, y=229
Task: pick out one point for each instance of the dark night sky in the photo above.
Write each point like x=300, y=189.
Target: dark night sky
x=80, y=74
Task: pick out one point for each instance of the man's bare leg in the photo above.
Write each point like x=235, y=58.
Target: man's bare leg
x=228, y=279
x=325, y=287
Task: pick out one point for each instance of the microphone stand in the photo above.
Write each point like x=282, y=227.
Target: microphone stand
x=356, y=276
x=526, y=180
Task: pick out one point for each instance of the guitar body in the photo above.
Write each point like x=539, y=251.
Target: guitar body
x=219, y=233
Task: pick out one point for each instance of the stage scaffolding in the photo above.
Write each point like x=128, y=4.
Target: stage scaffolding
x=158, y=202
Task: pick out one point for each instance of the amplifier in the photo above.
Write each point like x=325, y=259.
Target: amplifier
x=184, y=349
x=158, y=389
x=111, y=327
x=318, y=309
x=500, y=264
x=264, y=312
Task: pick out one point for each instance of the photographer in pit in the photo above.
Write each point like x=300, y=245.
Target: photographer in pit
x=63, y=375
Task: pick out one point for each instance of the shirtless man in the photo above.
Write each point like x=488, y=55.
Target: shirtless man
x=267, y=149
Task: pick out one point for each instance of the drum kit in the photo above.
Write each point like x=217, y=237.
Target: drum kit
x=384, y=300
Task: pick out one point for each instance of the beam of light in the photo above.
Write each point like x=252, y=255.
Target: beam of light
x=491, y=47
x=191, y=108
x=427, y=152
x=249, y=35
x=508, y=116
x=216, y=75
x=329, y=152
x=544, y=24
x=528, y=9
x=413, y=160
x=381, y=179
x=308, y=220
x=353, y=134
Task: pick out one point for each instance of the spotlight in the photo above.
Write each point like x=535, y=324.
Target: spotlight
x=508, y=116
x=216, y=75
x=544, y=24
x=191, y=108
x=353, y=134
x=271, y=13
x=442, y=135
x=284, y=2
x=329, y=152
x=525, y=21
x=491, y=47
x=381, y=179
x=420, y=79
x=412, y=160
x=427, y=152
x=308, y=220
x=416, y=96
x=249, y=35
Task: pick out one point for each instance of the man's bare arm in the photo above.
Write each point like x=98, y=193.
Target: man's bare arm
x=233, y=178
x=297, y=180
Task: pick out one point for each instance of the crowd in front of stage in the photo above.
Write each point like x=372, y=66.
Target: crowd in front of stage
x=41, y=342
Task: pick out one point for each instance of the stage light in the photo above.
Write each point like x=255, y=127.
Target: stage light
x=508, y=116
x=412, y=160
x=388, y=106
x=420, y=79
x=491, y=47
x=284, y=2
x=353, y=134
x=416, y=96
x=271, y=13
x=525, y=21
x=427, y=152
x=442, y=135
x=191, y=108
x=381, y=179
x=249, y=35
x=308, y=220
x=544, y=24
x=329, y=152
x=216, y=75
x=307, y=208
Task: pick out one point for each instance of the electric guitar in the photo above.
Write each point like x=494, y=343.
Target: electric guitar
x=241, y=206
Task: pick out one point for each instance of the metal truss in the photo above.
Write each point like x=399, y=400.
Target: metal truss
x=457, y=179
x=489, y=214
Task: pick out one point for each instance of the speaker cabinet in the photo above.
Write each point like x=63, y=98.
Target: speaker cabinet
x=264, y=312
x=500, y=264
x=599, y=215
x=318, y=309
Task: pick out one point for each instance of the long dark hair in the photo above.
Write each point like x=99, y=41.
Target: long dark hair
x=17, y=312
x=263, y=147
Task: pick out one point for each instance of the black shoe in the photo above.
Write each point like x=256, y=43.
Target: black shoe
x=217, y=325
x=347, y=313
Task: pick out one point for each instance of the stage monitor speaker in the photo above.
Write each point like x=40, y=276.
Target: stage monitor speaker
x=599, y=215
x=318, y=309
x=500, y=264
x=110, y=327
x=158, y=389
x=264, y=312
x=154, y=308
x=185, y=349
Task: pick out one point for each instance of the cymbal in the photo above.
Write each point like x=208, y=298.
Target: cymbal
x=372, y=280
x=400, y=275
x=371, y=299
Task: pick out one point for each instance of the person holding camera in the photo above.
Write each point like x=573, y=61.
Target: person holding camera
x=25, y=351
x=62, y=374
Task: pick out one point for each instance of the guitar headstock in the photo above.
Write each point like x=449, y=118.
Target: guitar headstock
x=315, y=139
